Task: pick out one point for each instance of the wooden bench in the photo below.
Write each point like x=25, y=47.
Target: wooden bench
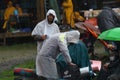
x=4, y=36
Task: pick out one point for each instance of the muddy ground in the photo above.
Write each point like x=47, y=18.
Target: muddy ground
x=13, y=55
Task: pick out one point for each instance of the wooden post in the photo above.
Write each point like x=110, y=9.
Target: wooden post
x=40, y=10
x=4, y=41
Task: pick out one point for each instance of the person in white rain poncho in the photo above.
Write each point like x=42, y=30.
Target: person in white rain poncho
x=44, y=29
x=57, y=44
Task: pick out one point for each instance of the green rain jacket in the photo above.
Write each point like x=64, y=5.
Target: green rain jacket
x=79, y=55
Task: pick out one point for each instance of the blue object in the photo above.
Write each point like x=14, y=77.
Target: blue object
x=25, y=29
x=16, y=12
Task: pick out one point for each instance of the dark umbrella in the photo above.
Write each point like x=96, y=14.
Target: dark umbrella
x=91, y=29
x=90, y=26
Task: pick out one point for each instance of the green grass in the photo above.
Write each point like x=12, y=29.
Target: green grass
x=18, y=51
x=9, y=75
x=18, y=46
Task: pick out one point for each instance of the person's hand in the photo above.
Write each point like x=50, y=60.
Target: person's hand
x=71, y=64
x=43, y=37
x=110, y=46
x=105, y=66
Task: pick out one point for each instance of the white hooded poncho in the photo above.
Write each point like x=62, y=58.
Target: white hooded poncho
x=43, y=28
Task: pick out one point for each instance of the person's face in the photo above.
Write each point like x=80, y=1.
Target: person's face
x=17, y=6
x=50, y=18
